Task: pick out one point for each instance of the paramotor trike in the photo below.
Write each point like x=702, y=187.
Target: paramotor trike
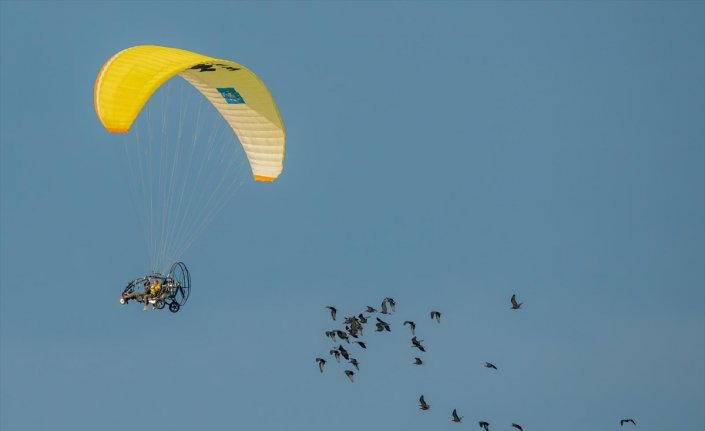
x=174, y=289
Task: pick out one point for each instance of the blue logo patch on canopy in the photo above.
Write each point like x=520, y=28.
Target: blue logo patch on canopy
x=231, y=96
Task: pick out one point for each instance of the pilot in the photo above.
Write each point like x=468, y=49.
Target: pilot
x=145, y=295
x=156, y=288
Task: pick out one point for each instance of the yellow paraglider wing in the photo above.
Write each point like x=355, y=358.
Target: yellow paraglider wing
x=130, y=77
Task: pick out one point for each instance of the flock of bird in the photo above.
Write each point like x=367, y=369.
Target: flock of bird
x=354, y=328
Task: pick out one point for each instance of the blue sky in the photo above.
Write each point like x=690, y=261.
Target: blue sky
x=445, y=154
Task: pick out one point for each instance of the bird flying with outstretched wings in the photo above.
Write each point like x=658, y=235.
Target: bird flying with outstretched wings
x=423, y=405
x=515, y=305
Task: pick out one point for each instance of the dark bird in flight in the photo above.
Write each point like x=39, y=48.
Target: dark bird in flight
x=361, y=344
x=384, y=307
x=355, y=363
x=332, y=311
x=342, y=335
x=331, y=335
x=362, y=318
x=350, y=375
x=456, y=418
x=436, y=315
x=423, y=405
x=335, y=353
x=352, y=332
x=517, y=426
x=515, y=305
x=418, y=361
x=344, y=353
x=412, y=325
x=371, y=310
x=382, y=327
x=416, y=343
x=355, y=326
x=321, y=363
x=490, y=365
x=485, y=425
x=391, y=303
x=626, y=421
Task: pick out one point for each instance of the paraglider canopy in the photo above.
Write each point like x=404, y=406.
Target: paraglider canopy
x=128, y=79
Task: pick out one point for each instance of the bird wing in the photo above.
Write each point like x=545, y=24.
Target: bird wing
x=514, y=300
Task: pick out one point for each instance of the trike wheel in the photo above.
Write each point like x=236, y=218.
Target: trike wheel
x=174, y=307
